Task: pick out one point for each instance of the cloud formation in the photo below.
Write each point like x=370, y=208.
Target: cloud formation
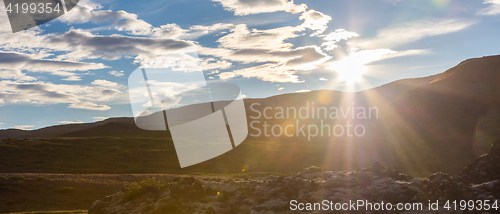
x=116, y=73
x=411, y=32
x=246, y=7
x=492, y=9
x=13, y=63
x=89, y=106
x=243, y=38
x=264, y=46
x=315, y=21
x=265, y=54
x=267, y=72
x=332, y=38
x=105, y=83
x=81, y=44
x=173, y=31
x=280, y=65
x=78, y=96
x=87, y=11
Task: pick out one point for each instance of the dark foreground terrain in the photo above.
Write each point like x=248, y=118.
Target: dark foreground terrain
x=48, y=192
x=272, y=194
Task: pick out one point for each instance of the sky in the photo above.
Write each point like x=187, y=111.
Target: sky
x=75, y=69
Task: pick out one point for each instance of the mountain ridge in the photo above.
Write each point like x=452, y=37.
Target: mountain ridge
x=426, y=124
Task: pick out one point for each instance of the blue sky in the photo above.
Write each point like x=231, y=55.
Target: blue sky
x=74, y=69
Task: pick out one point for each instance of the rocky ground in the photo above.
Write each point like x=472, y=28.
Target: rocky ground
x=272, y=194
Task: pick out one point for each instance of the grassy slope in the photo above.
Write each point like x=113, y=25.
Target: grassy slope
x=113, y=155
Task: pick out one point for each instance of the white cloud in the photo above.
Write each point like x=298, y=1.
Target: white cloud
x=135, y=26
x=212, y=63
x=24, y=127
x=404, y=53
x=305, y=54
x=87, y=11
x=185, y=60
x=492, y=9
x=23, y=41
x=70, y=122
x=329, y=45
x=105, y=83
x=168, y=92
x=100, y=118
x=246, y=7
x=89, y=106
x=323, y=79
x=82, y=45
x=15, y=74
x=267, y=72
x=213, y=72
x=78, y=96
x=315, y=21
x=411, y=32
x=72, y=78
x=334, y=37
x=264, y=46
x=339, y=34
x=310, y=61
x=261, y=46
x=116, y=73
x=286, y=63
x=302, y=91
x=173, y=31
x=243, y=38
x=79, y=44
x=20, y=61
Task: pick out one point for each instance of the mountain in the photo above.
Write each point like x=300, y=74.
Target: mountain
x=418, y=126
x=440, y=119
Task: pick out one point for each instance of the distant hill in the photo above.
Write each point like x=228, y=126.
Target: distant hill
x=57, y=130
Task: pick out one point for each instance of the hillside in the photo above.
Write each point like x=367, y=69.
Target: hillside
x=423, y=125
x=56, y=130
x=439, y=119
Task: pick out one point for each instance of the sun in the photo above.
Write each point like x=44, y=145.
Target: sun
x=350, y=70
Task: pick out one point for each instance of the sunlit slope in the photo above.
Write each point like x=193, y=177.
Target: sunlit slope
x=434, y=126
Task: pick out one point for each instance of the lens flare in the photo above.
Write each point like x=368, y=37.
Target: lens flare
x=349, y=70
x=440, y=3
